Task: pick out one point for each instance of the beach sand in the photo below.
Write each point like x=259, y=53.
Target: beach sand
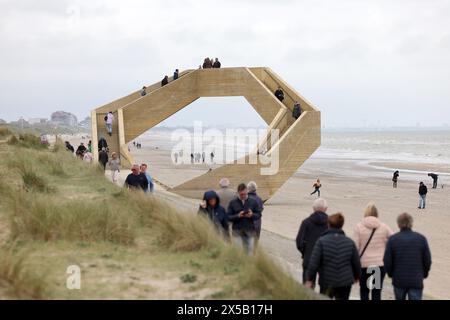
x=348, y=186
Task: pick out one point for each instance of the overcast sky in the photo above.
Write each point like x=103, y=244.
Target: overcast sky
x=380, y=62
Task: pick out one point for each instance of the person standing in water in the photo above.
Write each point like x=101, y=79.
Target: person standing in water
x=317, y=185
x=395, y=179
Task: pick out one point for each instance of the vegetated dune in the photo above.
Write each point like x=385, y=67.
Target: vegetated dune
x=57, y=212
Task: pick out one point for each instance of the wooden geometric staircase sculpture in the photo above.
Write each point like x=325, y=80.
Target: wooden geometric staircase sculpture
x=298, y=139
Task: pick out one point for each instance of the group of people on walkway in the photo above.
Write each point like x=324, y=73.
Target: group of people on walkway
x=374, y=251
x=84, y=153
x=296, y=108
x=242, y=209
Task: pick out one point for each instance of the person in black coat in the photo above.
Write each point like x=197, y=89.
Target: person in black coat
x=216, y=64
x=242, y=212
x=423, y=190
x=136, y=180
x=176, y=74
x=336, y=259
x=103, y=158
x=164, y=81
x=211, y=208
x=296, y=111
x=310, y=231
x=435, y=177
x=407, y=260
x=102, y=144
x=395, y=179
x=279, y=94
x=69, y=147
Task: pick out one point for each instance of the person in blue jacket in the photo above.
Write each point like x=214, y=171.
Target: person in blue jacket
x=211, y=209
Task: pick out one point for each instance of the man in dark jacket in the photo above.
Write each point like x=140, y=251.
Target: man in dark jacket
x=216, y=64
x=136, y=180
x=102, y=144
x=279, y=94
x=296, y=111
x=423, y=190
x=407, y=260
x=211, y=208
x=164, y=81
x=336, y=259
x=175, y=74
x=243, y=211
x=310, y=231
x=251, y=187
x=103, y=158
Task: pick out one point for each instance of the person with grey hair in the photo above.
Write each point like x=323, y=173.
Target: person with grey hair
x=310, y=231
x=225, y=193
x=407, y=260
x=252, y=186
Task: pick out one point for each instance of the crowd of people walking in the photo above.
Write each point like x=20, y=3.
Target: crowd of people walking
x=374, y=251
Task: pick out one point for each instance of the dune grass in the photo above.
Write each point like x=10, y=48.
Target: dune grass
x=129, y=244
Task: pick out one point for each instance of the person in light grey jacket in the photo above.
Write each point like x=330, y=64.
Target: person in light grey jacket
x=114, y=165
x=225, y=193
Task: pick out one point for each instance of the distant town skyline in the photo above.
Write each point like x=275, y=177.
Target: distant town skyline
x=363, y=64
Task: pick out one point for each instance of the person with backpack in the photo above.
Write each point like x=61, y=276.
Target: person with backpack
x=423, y=190
x=296, y=111
x=109, y=119
x=371, y=236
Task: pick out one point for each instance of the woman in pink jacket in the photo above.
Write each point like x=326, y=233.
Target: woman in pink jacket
x=371, y=236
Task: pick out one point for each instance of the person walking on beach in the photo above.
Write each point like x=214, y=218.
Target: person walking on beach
x=136, y=180
x=103, y=158
x=144, y=91
x=336, y=259
x=317, y=185
x=395, y=179
x=176, y=74
x=217, y=64
x=109, y=119
x=164, y=81
x=211, y=209
x=252, y=187
x=225, y=193
x=407, y=260
x=371, y=236
x=144, y=171
x=296, y=111
x=192, y=158
x=309, y=232
x=242, y=212
x=435, y=177
x=212, y=156
x=279, y=94
x=114, y=165
x=423, y=190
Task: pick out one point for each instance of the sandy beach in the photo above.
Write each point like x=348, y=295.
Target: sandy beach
x=348, y=186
